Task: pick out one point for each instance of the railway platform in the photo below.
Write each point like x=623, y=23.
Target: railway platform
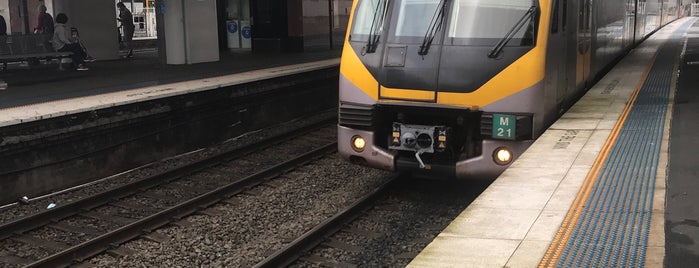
x=31, y=86
x=612, y=183
x=71, y=126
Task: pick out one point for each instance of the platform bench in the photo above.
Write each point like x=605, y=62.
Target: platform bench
x=27, y=47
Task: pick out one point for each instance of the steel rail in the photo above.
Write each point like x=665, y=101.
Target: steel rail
x=314, y=237
x=34, y=221
x=99, y=244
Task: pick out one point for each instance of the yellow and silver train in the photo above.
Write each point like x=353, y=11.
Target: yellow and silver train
x=463, y=87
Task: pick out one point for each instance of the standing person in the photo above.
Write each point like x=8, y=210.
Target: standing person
x=3, y=26
x=63, y=40
x=45, y=21
x=127, y=27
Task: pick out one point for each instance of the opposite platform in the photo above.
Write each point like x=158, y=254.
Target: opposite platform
x=37, y=84
x=49, y=109
x=77, y=130
x=517, y=220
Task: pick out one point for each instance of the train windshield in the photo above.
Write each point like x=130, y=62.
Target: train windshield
x=414, y=17
x=468, y=22
x=368, y=19
x=485, y=22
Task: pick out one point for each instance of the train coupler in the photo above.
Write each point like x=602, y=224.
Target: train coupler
x=419, y=160
x=419, y=139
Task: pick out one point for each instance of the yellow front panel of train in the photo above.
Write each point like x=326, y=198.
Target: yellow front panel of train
x=524, y=73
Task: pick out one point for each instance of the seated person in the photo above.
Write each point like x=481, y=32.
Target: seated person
x=63, y=41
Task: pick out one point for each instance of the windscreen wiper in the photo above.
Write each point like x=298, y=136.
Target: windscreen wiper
x=435, y=25
x=528, y=16
x=376, y=26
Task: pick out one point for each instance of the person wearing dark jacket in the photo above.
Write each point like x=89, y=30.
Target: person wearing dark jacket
x=127, y=26
x=45, y=21
x=3, y=26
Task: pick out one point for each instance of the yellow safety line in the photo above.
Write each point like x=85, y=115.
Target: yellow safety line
x=553, y=254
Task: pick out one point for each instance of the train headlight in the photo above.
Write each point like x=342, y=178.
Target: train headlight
x=502, y=156
x=358, y=143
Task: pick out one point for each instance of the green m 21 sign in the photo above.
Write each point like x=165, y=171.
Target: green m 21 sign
x=504, y=126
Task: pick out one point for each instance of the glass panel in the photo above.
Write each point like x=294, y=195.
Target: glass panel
x=490, y=19
x=554, y=17
x=414, y=17
x=652, y=15
x=671, y=10
x=629, y=22
x=366, y=12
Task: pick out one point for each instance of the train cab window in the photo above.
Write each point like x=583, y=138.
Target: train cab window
x=414, y=17
x=477, y=22
x=369, y=19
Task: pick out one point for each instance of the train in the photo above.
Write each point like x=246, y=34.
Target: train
x=461, y=88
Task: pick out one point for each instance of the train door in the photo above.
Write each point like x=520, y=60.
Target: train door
x=559, y=31
x=584, y=43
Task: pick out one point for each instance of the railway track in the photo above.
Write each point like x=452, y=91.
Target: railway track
x=75, y=231
x=387, y=227
x=319, y=234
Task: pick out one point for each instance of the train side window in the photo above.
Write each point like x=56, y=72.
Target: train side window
x=581, y=16
x=588, y=15
x=554, y=18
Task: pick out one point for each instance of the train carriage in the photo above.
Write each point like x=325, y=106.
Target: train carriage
x=463, y=87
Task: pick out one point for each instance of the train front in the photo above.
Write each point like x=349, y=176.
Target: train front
x=450, y=87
